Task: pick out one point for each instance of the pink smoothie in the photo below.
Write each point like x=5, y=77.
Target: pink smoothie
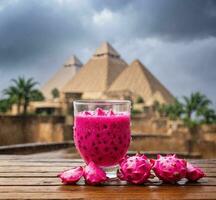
x=102, y=136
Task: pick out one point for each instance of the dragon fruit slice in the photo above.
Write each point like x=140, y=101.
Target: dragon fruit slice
x=169, y=168
x=86, y=113
x=135, y=169
x=71, y=176
x=94, y=175
x=110, y=113
x=100, y=112
x=194, y=173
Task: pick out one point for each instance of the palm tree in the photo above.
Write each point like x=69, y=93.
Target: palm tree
x=13, y=96
x=193, y=104
x=193, y=107
x=172, y=111
x=207, y=115
x=195, y=111
x=175, y=110
x=20, y=92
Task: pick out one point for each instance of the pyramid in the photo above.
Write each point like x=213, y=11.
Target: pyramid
x=97, y=75
x=138, y=80
x=62, y=76
x=106, y=49
x=73, y=61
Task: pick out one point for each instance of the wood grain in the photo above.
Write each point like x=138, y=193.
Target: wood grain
x=22, y=177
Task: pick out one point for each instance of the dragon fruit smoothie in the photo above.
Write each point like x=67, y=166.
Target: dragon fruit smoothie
x=102, y=136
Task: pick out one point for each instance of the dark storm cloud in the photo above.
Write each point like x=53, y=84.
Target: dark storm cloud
x=30, y=28
x=186, y=19
x=169, y=19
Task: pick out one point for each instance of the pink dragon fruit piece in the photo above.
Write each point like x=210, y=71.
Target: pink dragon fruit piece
x=110, y=112
x=169, y=168
x=135, y=169
x=100, y=112
x=194, y=173
x=71, y=176
x=86, y=113
x=94, y=175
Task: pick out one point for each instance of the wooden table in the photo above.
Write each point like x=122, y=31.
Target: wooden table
x=24, y=177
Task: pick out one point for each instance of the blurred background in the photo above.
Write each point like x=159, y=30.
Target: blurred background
x=158, y=54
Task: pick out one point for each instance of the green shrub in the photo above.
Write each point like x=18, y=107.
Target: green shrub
x=5, y=105
x=135, y=111
x=139, y=100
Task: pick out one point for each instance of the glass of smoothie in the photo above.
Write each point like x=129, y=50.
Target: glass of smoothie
x=102, y=130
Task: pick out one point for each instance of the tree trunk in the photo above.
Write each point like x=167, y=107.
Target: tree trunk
x=193, y=139
x=25, y=107
x=18, y=108
x=190, y=146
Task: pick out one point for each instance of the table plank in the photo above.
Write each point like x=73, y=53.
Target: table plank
x=55, y=181
x=27, y=174
x=109, y=194
x=35, y=169
x=24, y=178
x=61, y=192
x=75, y=188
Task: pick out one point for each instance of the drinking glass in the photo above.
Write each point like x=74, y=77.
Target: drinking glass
x=102, y=130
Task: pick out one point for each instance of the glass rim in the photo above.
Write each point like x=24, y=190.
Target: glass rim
x=101, y=102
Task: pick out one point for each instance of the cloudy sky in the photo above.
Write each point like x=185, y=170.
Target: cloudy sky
x=175, y=39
